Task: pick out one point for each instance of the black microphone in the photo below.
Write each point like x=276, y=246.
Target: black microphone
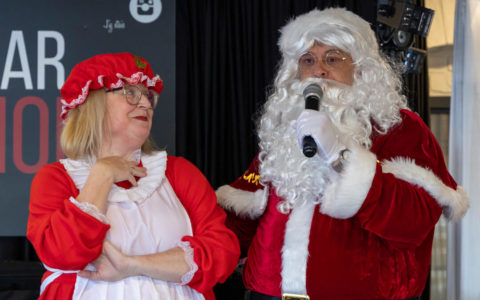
x=313, y=95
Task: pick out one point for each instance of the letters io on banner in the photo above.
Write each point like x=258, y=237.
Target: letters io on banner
x=13, y=123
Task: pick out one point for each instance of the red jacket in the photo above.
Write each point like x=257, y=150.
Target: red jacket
x=67, y=238
x=371, y=237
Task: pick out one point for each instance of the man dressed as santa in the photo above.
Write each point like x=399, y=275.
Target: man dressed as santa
x=356, y=220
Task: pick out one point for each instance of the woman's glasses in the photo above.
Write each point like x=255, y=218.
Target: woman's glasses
x=133, y=95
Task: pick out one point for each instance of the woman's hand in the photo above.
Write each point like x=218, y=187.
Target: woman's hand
x=103, y=174
x=111, y=265
x=119, y=169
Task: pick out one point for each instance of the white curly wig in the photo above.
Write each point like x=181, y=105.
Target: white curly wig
x=375, y=96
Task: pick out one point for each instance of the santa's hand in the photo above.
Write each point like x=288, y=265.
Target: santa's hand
x=318, y=125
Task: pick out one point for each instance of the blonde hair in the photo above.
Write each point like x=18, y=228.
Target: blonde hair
x=86, y=127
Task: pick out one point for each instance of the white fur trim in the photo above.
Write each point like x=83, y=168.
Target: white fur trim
x=344, y=197
x=454, y=202
x=295, y=249
x=243, y=203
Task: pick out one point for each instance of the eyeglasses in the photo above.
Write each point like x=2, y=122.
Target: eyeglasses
x=333, y=59
x=133, y=95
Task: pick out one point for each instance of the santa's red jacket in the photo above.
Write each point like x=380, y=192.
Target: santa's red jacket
x=371, y=236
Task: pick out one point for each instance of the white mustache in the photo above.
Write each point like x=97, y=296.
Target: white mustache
x=327, y=85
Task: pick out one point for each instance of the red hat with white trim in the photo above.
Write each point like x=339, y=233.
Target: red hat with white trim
x=111, y=71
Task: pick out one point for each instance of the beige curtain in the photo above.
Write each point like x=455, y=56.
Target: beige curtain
x=463, y=267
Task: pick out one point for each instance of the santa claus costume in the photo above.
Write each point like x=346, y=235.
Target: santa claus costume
x=362, y=232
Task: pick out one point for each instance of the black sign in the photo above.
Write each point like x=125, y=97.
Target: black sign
x=41, y=42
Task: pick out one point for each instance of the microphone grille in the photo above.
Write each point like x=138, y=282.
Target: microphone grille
x=313, y=90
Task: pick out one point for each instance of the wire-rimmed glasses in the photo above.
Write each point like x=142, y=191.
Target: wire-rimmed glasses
x=133, y=95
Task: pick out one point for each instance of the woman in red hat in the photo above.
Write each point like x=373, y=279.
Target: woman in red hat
x=117, y=219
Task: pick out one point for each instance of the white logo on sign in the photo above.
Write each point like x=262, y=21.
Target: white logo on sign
x=145, y=11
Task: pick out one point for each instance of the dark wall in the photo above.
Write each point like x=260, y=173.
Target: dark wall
x=227, y=57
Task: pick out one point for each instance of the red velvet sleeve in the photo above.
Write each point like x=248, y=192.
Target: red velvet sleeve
x=216, y=249
x=63, y=236
x=243, y=226
x=398, y=211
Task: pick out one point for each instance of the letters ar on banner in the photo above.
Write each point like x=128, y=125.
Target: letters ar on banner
x=40, y=46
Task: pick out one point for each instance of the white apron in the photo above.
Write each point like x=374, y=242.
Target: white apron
x=144, y=220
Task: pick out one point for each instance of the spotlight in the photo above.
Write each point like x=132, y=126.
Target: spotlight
x=402, y=39
x=404, y=16
x=414, y=59
x=397, y=23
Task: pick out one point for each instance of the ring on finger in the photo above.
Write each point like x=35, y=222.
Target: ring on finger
x=132, y=170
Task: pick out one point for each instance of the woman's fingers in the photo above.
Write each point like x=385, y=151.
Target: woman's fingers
x=108, y=247
x=120, y=262
x=98, y=265
x=138, y=171
x=123, y=169
x=87, y=274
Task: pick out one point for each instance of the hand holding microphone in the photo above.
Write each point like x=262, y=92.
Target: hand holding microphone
x=316, y=133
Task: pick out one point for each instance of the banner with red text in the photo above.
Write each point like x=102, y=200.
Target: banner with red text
x=41, y=42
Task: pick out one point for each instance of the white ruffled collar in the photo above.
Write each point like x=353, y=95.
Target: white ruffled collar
x=155, y=163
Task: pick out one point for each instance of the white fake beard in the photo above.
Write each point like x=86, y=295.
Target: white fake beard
x=296, y=178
